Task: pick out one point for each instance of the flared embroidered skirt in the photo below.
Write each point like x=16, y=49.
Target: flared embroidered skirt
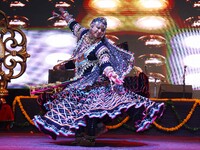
x=69, y=108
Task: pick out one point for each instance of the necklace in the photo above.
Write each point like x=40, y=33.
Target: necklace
x=84, y=45
x=90, y=40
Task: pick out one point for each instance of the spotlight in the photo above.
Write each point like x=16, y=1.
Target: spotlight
x=151, y=22
x=193, y=21
x=56, y=22
x=156, y=77
x=194, y=3
x=152, y=40
x=16, y=3
x=64, y=3
x=17, y=21
x=153, y=59
x=113, y=22
x=153, y=4
x=99, y=5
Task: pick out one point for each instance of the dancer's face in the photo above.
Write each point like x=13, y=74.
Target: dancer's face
x=97, y=30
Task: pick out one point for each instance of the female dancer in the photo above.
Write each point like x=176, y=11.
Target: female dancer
x=97, y=89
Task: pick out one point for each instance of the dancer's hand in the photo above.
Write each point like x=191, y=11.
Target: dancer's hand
x=62, y=14
x=112, y=75
x=65, y=15
x=115, y=78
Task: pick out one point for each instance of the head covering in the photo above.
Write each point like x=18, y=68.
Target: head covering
x=99, y=20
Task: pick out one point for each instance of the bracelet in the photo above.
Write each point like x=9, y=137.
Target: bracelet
x=110, y=74
x=70, y=21
x=107, y=70
x=64, y=12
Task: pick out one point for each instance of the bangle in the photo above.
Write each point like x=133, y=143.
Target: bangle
x=64, y=12
x=110, y=74
x=107, y=70
x=70, y=21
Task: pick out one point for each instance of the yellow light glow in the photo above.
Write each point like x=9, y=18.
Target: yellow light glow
x=104, y=5
x=153, y=4
x=113, y=22
x=151, y=22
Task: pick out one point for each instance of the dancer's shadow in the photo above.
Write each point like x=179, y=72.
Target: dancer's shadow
x=109, y=142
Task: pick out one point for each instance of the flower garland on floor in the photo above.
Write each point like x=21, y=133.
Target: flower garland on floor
x=180, y=120
x=181, y=124
x=122, y=122
x=196, y=101
x=18, y=99
x=119, y=124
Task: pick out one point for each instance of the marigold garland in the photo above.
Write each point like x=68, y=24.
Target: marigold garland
x=180, y=120
x=119, y=124
x=159, y=126
x=179, y=125
x=18, y=99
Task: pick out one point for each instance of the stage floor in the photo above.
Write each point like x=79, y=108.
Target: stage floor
x=39, y=141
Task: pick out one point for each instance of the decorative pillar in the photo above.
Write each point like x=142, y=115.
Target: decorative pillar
x=12, y=54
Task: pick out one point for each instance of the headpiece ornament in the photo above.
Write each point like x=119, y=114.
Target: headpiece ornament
x=100, y=20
